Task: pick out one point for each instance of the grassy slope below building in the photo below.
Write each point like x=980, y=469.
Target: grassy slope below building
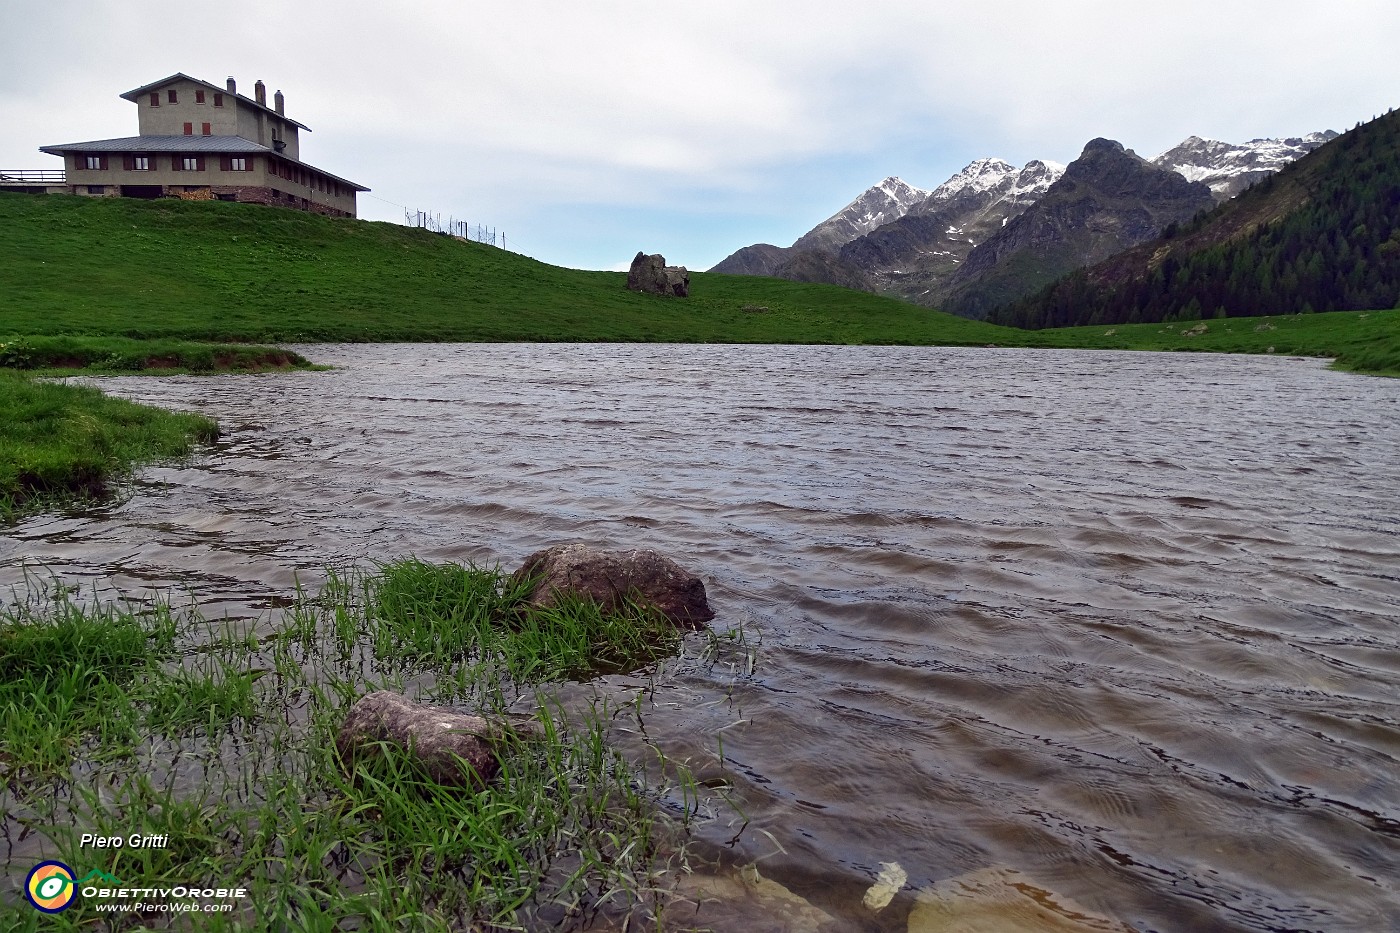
x=218, y=271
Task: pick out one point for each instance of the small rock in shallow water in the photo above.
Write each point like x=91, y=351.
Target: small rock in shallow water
x=887, y=884
x=609, y=578
x=455, y=748
x=1002, y=900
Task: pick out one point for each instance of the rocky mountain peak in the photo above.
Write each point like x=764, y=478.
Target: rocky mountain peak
x=878, y=205
x=1101, y=145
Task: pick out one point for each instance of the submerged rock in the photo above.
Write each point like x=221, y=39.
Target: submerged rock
x=650, y=275
x=609, y=578
x=1002, y=900
x=455, y=748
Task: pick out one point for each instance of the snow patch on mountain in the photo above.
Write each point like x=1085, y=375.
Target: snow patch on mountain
x=1229, y=168
x=878, y=205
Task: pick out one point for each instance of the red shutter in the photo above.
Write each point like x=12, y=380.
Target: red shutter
x=175, y=164
x=223, y=163
x=128, y=163
x=155, y=98
x=171, y=95
x=189, y=129
x=218, y=100
x=104, y=163
x=199, y=97
x=199, y=163
x=204, y=128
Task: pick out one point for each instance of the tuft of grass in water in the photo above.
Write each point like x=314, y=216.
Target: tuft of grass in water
x=121, y=355
x=439, y=613
x=226, y=746
x=64, y=674
x=64, y=442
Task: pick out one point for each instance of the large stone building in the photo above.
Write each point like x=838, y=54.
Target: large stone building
x=201, y=141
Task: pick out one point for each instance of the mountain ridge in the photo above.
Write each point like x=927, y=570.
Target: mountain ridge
x=1321, y=234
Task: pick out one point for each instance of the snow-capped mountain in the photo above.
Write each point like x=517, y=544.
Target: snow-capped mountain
x=911, y=256
x=904, y=241
x=1229, y=168
x=997, y=178
x=890, y=200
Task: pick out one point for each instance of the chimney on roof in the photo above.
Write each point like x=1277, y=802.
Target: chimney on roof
x=260, y=92
x=232, y=85
x=279, y=103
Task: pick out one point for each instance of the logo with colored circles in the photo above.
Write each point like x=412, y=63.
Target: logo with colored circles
x=50, y=887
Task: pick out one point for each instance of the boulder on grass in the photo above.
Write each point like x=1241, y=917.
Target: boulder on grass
x=650, y=275
x=610, y=578
x=455, y=749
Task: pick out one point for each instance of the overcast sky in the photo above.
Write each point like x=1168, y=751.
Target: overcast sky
x=586, y=131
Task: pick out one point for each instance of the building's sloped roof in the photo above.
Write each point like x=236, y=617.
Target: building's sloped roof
x=134, y=93
x=161, y=144
x=148, y=144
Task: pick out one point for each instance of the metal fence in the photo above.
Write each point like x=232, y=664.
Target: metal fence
x=479, y=233
x=33, y=176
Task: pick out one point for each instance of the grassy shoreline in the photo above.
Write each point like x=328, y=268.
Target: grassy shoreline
x=63, y=443
x=42, y=354
x=137, y=702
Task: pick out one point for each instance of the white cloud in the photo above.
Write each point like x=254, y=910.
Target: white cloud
x=697, y=106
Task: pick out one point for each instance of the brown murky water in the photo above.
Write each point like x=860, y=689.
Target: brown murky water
x=1121, y=627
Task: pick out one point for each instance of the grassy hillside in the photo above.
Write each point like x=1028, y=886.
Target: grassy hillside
x=218, y=271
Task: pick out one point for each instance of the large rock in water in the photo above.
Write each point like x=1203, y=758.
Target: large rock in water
x=651, y=275
x=443, y=740
x=608, y=578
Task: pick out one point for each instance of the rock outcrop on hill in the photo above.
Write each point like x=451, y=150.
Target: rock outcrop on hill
x=650, y=275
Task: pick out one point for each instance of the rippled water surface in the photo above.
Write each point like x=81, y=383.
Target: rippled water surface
x=1121, y=627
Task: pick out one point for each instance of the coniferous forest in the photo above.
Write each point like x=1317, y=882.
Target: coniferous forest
x=1321, y=235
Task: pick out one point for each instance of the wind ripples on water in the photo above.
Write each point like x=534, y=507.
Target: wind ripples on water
x=1123, y=624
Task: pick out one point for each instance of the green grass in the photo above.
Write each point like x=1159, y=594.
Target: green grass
x=59, y=442
x=215, y=271
x=242, y=272
x=1362, y=341
x=51, y=355
x=163, y=723
x=441, y=612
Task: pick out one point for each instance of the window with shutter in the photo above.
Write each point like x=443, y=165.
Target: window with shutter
x=218, y=100
x=175, y=163
x=143, y=163
x=189, y=129
x=204, y=128
x=155, y=98
x=170, y=95
x=199, y=97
